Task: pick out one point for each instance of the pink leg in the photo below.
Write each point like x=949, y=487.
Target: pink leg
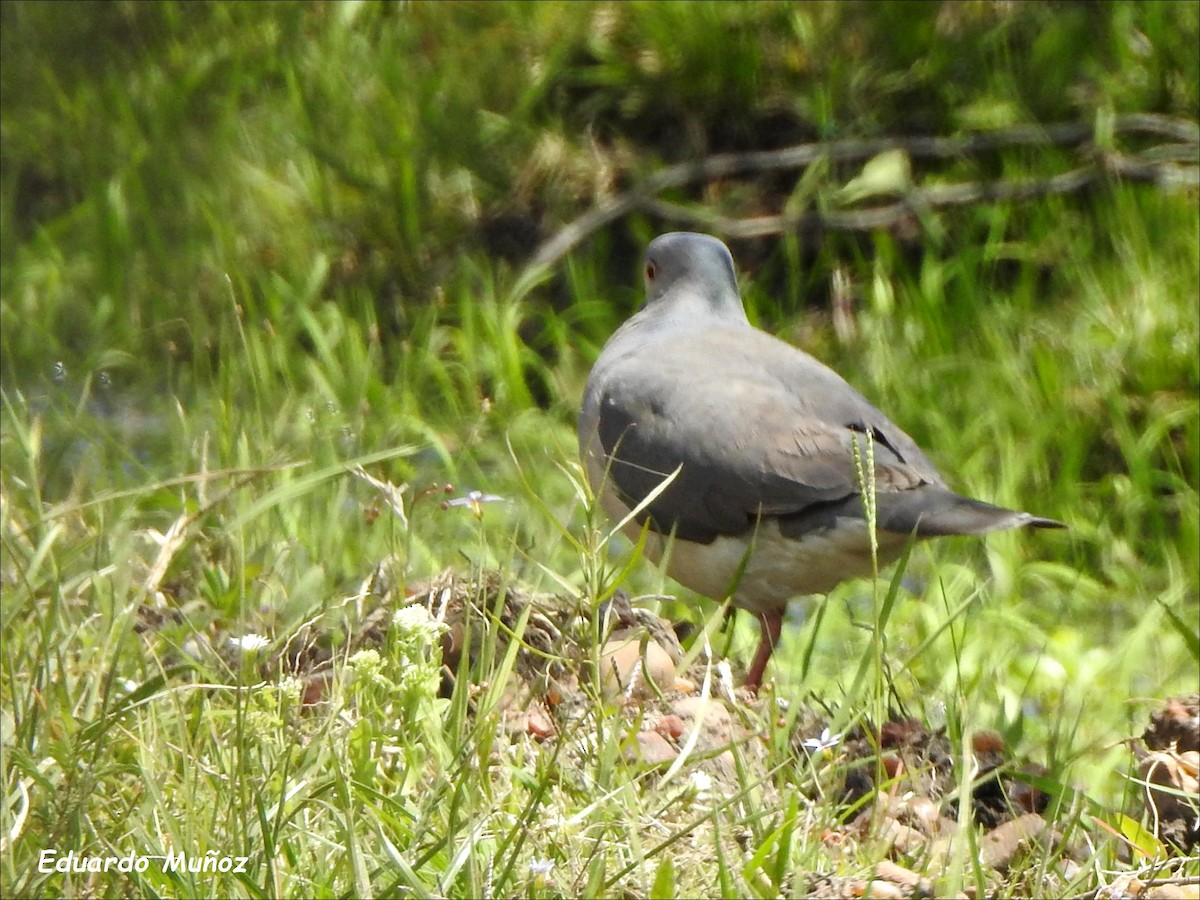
x=772, y=625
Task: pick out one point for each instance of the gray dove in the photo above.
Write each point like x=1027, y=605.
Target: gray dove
x=750, y=444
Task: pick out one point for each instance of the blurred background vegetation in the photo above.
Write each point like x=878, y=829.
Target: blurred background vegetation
x=164, y=160
x=245, y=235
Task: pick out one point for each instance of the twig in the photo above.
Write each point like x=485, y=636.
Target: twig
x=1154, y=166
x=935, y=197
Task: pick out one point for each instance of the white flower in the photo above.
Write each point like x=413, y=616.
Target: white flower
x=367, y=668
x=473, y=500
x=540, y=869
x=290, y=688
x=826, y=741
x=250, y=643
x=367, y=660
x=701, y=782
x=416, y=619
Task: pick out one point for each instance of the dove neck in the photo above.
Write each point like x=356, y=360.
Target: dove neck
x=685, y=304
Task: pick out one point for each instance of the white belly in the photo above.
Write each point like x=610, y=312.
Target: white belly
x=777, y=569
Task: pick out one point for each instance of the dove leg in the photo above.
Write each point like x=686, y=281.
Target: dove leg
x=771, y=625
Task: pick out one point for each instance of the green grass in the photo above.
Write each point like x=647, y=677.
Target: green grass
x=268, y=242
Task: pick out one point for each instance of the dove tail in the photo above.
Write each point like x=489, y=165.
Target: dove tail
x=937, y=511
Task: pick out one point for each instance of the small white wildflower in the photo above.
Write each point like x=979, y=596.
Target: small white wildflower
x=250, y=643
x=290, y=688
x=366, y=667
x=474, y=500
x=416, y=677
x=827, y=741
x=540, y=869
x=701, y=782
x=365, y=659
x=416, y=619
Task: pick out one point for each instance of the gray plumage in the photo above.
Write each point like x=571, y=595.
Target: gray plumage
x=762, y=436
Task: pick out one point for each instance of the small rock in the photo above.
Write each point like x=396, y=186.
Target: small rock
x=651, y=748
x=684, y=685
x=1173, y=892
x=539, y=725
x=714, y=716
x=621, y=666
x=671, y=726
x=884, y=890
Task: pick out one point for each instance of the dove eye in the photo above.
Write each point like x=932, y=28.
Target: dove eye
x=651, y=270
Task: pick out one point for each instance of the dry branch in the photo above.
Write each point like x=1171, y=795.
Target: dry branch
x=1170, y=165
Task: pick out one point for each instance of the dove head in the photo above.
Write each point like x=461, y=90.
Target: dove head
x=690, y=274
